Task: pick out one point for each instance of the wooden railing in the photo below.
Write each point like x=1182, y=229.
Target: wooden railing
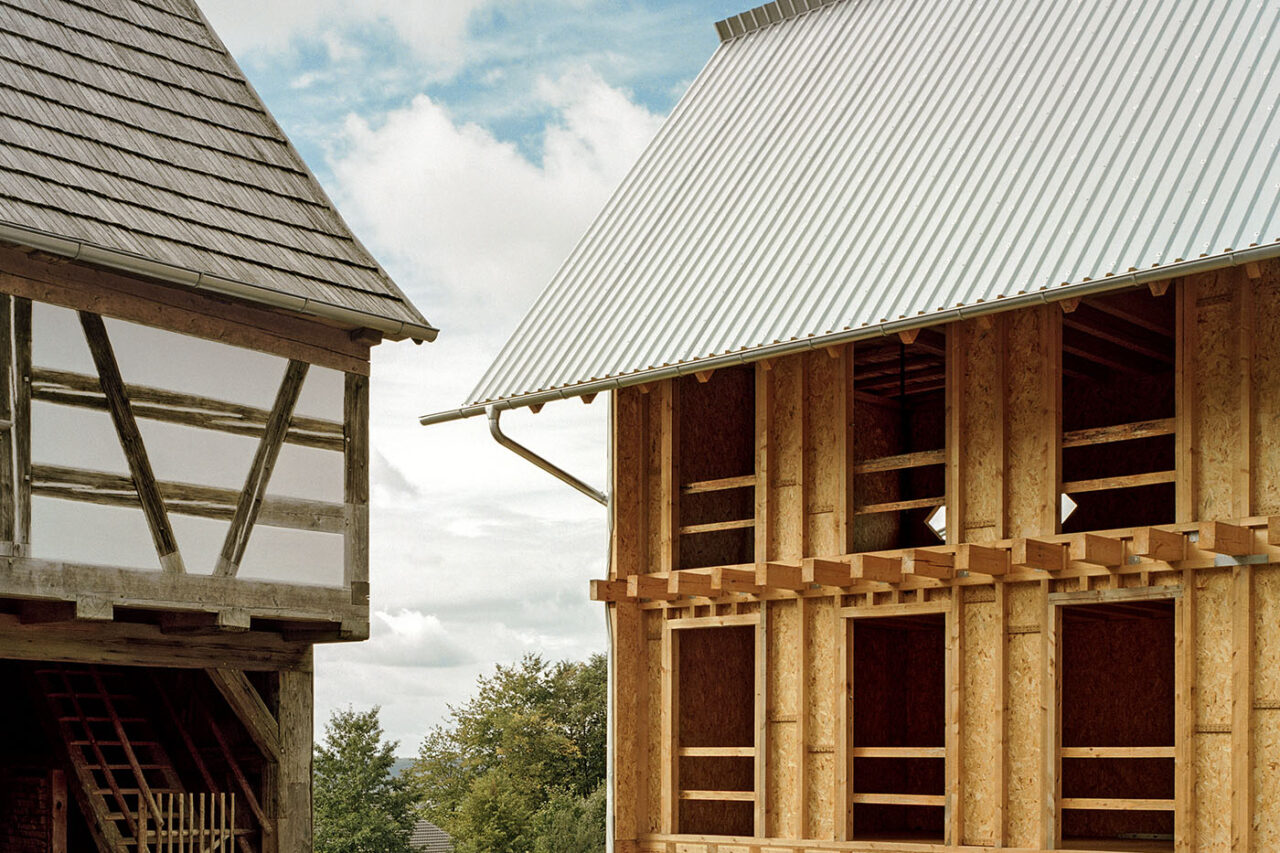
x=187, y=823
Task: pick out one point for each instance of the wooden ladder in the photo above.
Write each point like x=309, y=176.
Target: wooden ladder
x=121, y=768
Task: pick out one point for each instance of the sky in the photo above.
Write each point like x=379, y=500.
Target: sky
x=468, y=143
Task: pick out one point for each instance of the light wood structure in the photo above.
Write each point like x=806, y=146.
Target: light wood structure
x=802, y=666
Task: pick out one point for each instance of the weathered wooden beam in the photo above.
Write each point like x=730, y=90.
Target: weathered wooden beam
x=1037, y=554
x=135, y=451
x=77, y=390
x=1155, y=544
x=355, y=486
x=1223, y=538
x=264, y=462
x=8, y=491
x=100, y=487
x=1119, y=432
x=252, y=711
x=22, y=415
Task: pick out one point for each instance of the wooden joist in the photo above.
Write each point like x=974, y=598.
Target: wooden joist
x=982, y=560
x=780, y=576
x=649, y=586
x=684, y=583
x=715, y=526
x=1037, y=554
x=901, y=461
x=1127, y=481
x=1116, y=804
x=1100, y=550
x=1223, y=538
x=929, y=563
x=1273, y=530
x=734, y=580
x=1119, y=432
x=826, y=572
x=873, y=567
x=720, y=796
x=1163, y=545
x=720, y=485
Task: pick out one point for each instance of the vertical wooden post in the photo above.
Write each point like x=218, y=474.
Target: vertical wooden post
x=669, y=746
x=955, y=696
x=764, y=453
x=955, y=369
x=1051, y=704
x=669, y=444
x=1241, y=709
x=22, y=414
x=1185, y=394
x=58, y=802
x=762, y=719
x=8, y=490
x=1184, y=815
x=293, y=789
x=1051, y=522
x=842, y=819
x=1002, y=708
x=1242, y=482
x=802, y=717
x=355, y=489
x=845, y=507
x=630, y=723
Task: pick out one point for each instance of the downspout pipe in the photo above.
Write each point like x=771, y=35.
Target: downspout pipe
x=495, y=429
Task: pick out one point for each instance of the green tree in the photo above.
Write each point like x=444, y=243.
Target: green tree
x=359, y=806
x=522, y=758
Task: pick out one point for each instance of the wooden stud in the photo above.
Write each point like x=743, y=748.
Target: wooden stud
x=1051, y=737
x=8, y=492
x=653, y=587
x=1106, y=551
x=762, y=721
x=872, y=567
x=1242, y=479
x=981, y=560
x=669, y=479
x=1002, y=708
x=1185, y=392
x=668, y=744
x=824, y=572
x=294, y=706
x=955, y=787
x=1223, y=538
x=1038, y=554
x=957, y=356
x=763, y=460
x=607, y=591
x=1185, y=666
x=1165, y=546
x=144, y=479
x=58, y=803
x=259, y=476
x=1242, y=696
x=779, y=576
x=929, y=563
x=842, y=694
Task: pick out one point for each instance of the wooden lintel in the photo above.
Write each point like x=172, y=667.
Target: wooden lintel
x=1166, y=546
x=703, y=376
x=734, y=580
x=135, y=451
x=779, y=576
x=1253, y=270
x=1223, y=538
x=648, y=586
x=264, y=461
x=1038, y=554
x=602, y=590
x=825, y=572
x=685, y=582
x=588, y=399
x=873, y=567
x=908, y=336
x=928, y=563
x=982, y=560
x=1159, y=288
x=1100, y=550
x=1070, y=305
x=249, y=707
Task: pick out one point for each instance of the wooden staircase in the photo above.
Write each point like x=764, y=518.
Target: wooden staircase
x=124, y=779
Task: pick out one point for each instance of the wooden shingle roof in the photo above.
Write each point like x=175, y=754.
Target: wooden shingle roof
x=129, y=128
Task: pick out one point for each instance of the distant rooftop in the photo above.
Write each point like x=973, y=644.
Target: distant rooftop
x=129, y=137
x=429, y=838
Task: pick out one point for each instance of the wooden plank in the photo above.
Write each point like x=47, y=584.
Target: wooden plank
x=1155, y=544
x=780, y=576
x=1273, y=530
x=899, y=752
x=1119, y=432
x=1242, y=695
x=607, y=591
x=764, y=459
x=714, y=526
x=1117, y=752
x=1051, y=736
x=1038, y=554
x=250, y=709
x=1223, y=538
x=1002, y=710
x=899, y=506
x=1242, y=479
x=668, y=743
x=100, y=487
x=717, y=752
x=1118, y=804
x=1127, y=481
x=873, y=567
x=144, y=479
x=1098, y=550
x=22, y=415
x=899, y=800
x=762, y=721
x=355, y=481
x=1185, y=393
x=58, y=804
x=825, y=572
x=734, y=580
x=842, y=695
x=720, y=796
x=264, y=462
x=77, y=390
x=803, y=698
x=929, y=563
x=721, y=485
x=981, y=559
x=181, y=310
x=901, y=461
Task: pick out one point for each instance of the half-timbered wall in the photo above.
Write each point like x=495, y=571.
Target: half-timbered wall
x=1173, y=390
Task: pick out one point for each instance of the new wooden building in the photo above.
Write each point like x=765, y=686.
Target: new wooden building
x=185, y=328
x=943, y=349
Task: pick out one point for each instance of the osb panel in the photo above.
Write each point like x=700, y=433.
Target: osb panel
x=981, y=383
x=1213, y=793
x=783, y=766
x=1029, y=447
x=1266, y=391
x=824, y=452
x=822, y=716
x=1266, y=717
x=1213, y=648
x=1266, y=604
x=653, y=744
x=630, y=469
x=1217, y=397
x=786, y=460
x=631, y=722
x=1022, y=758
x=980, y=721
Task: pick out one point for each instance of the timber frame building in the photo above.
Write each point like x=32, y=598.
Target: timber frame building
x=185, y=328
x=942, y=344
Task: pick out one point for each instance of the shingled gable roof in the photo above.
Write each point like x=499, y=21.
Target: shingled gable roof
x=846, y=168
x=130, y=138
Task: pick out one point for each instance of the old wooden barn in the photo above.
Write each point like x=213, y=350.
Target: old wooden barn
x=942, y=345
x=185, y=327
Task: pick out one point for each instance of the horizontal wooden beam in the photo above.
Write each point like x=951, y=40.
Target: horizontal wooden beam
x=1037, y=554
x=898, y=799
x=928, y=563
x=1099, y=550
x=982, y=560
x=717, y=752
x=720, y=796
x=1223, y=538
x=780, y=576
x=64, y=388
x=899, y=506
x=1116, y=804
x=873, y=567
x=827, y=572
x=604, y=590
x=1155, y=544
x=898, y=752
x=649, y=586
x=1127, y=481
x=715, y=526
x=1119, y=432
x=685, y=582
x=725, y=579
x=720, y=485
x=901, y=461
x=1117, y=752
x=100, y=487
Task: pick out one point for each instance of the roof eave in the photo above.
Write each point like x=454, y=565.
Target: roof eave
x=1133, y=278
x=84, y=252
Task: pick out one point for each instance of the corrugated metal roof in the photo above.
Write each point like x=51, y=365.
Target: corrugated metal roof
x=129, y=127
x=876, y=161
x=429, y=838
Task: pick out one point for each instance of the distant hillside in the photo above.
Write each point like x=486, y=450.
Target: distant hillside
x=401, y=765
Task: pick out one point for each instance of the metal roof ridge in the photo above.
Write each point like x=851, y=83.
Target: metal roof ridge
x=765, y=16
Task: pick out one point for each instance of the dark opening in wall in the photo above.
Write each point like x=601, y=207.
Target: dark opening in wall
x=717, y=468
x=899, y=727
x=716, y=716
x=899, y=440
x=1117, y=722
x=1118, y=398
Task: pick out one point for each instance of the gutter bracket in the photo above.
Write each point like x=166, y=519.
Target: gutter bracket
x=495, y=429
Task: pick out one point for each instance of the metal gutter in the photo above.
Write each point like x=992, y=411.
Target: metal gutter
x=495, y=429
x=1136, y=278
x=76, y=250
